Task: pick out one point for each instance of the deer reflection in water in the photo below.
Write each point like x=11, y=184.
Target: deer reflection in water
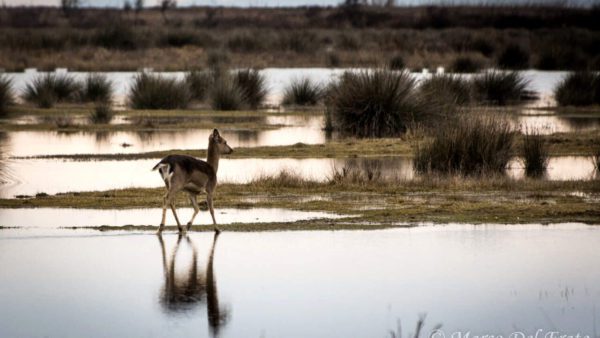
x=184, y=292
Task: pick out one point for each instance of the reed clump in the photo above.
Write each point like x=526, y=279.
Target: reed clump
x=96, y=88
x=535, y=154
x=225, y=94
x=302, y=92
x=102, y=113
x=578, y=89
x=468, y=146
x=377, y=103
x=6, y=94
x=252, y=87
x=502, y=88
x=46, y=90
x=447, y=89
x=198, y=83
x=150, y=91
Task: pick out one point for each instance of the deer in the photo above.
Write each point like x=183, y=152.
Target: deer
x=194, y=176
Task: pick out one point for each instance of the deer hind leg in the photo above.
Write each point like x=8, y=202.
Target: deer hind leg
x=209, y=202
x=194, y=202
x=164, y=212
x=172, y=204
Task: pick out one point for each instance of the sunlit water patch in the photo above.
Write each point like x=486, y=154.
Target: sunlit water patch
x=32, y=176
x=66, y=217
x=485, y=280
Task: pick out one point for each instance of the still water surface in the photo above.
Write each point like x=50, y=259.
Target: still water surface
x=31, y=176
x=489, y=279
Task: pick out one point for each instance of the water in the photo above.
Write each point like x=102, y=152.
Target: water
x=67, y=217
x=489, y=279
x=28, y=177
x=32, y=176
x=295, y=129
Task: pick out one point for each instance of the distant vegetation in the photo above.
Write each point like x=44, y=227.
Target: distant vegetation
x=468, y=146
x=512, y=37
x=578, y=89
x=6, y=93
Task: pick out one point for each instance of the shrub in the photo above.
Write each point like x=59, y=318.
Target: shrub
x=561, y=58
x=333, y=60
x=156, y=92
x=302, y=92
x=446, y=89
x=117, y=36
x=96, y=88
x=465, y=64
x=535, y=154
x=468, y=146
x=514, y=56
x=252, y=87
x=6, y=93
x=397, y=63
x=376, y=103
x=500, y=88
x=226, y=95
x=198, y=83
x=102, y=113
x=578, y=89
x=45, y=90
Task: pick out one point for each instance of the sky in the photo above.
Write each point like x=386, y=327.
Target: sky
x=275, y=3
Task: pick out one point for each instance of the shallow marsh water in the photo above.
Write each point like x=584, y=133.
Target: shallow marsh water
x=32, y=176
x=488, y=279
x=296, y=129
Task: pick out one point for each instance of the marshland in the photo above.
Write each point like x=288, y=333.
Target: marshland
x=395, y=170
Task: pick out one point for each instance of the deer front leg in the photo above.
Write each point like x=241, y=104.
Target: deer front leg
x=209, y=202
x=196, y=210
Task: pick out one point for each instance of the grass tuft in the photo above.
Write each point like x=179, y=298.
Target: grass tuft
x=578, y=89
x=535, y=154
x=156, y=92
x=6, y=93
x=252, y=86
x=102, y=113
x=46, y=90
x=501, y=88
x=198, y=83
x=468, y=146
x=377, y=103
x=302, y=92
x=96, y=88
x=226, y=95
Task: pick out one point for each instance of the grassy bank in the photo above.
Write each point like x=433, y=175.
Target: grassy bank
x=373, y=204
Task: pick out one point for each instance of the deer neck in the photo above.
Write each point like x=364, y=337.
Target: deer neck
x=213, y=156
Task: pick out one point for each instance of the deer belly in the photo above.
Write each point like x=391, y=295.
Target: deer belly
x=191, y=187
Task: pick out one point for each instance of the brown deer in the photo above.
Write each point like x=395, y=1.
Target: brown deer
x=194, y=176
